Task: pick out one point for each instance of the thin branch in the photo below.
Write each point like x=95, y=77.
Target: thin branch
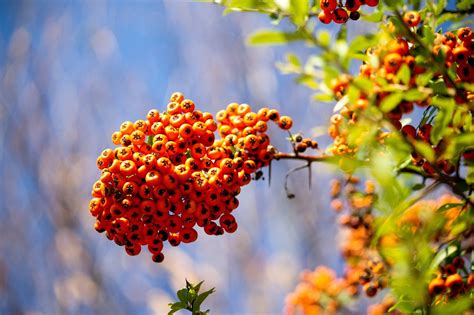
x=462, y=12
x=289, y=194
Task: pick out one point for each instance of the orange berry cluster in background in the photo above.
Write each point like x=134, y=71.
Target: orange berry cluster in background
x=335, y=11
x=364, y=266
x=169, y=175
x=367, y=269
x=319, y=292
x=456, y=51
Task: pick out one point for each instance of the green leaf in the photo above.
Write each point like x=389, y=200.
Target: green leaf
x=375, y=17
x=440, y=7
x=425, y=150
x=362, y=42
x=448, y=206
x=324, y=38
x=293, y=59
x=403, y=74
x=273, y=37
x=414, y=95
x=323, y=97
x=197, y=287
x=300, y=10
x=200, y=299
x=245, y=5
x=460, y=305
x=424, y=78
x=391, y=101
x=443, y=118
x=470, y=174
x=176, y=307
x=439, y=87
x=464, y=5
x=307, y=80
x=418, y=186
x=183, y=295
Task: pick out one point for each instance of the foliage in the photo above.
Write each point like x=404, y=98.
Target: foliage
x=406, y=115
x=190, y=299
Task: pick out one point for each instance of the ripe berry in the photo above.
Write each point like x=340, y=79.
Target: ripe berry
x=412, y=18
x=325, y=17
x=328, y=5
x=454, y=282
x=436, y=286
x=340, y=16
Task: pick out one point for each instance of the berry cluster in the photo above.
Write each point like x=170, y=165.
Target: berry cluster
x=301, y=144
x=452, y=280
x=385, y=307
x=169, y=175
x=335, y=11
x=455, y=50
x=364, y=266
x=319, y=292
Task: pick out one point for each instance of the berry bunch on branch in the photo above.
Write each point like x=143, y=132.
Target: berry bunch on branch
x=170, y=176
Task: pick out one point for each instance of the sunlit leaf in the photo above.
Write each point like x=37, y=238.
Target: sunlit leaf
x=274, y=37
x=391, y=101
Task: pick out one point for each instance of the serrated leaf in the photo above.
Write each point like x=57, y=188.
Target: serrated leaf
x=273, y=37
x=200, y=299
x=183, y=295
x=391, y=101
x=176, y=307
x=197, y=287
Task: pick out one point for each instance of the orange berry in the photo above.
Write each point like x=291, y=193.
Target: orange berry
x=454, y=282
x=187, y=106
x=328, y=5
x=285, y=122
x=177, y=97
x=412, y=18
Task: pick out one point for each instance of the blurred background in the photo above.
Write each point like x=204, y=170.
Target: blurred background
x=70, y=73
